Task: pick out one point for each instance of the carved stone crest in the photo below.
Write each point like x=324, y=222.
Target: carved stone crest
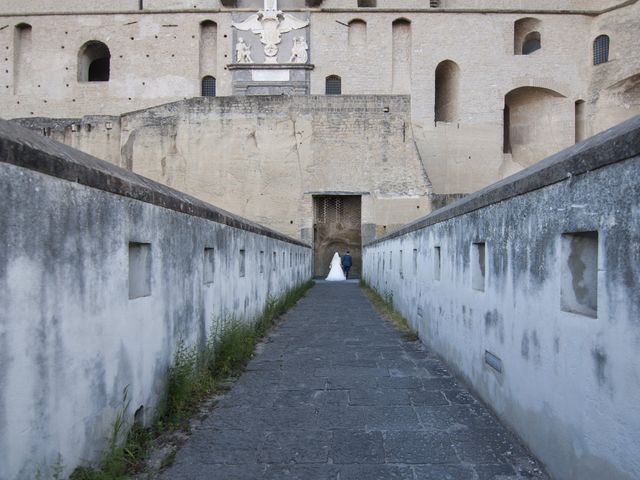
x=270, y=23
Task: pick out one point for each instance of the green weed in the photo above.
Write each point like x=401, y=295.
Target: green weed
x=384, y=305
x=193, y=376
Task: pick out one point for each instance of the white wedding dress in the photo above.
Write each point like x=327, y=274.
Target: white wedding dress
x=336, y=274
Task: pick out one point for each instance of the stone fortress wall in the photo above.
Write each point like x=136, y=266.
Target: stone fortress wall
x=160, y=54
x=102, y=274
x=529, y=289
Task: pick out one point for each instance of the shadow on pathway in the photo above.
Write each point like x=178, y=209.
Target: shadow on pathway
x=337, y=393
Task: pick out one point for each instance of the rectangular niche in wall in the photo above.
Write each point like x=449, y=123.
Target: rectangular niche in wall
x=243, y=265
x=579, y=280
x=139, y=270
x=209, y=265
x=478, y=266
x=436, y=263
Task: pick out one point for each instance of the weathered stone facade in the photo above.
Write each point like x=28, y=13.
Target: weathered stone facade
x=480, y=109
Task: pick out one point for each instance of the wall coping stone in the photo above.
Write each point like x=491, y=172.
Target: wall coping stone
x=611, y=146
x=24, y=148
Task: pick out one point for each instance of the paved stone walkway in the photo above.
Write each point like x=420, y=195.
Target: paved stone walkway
x=337, y=393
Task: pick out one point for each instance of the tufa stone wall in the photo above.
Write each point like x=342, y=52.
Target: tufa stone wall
x=266, y=157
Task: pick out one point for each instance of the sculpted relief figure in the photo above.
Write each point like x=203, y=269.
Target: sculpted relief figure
x=243, y=52
x=299, y=51
x=270, y=23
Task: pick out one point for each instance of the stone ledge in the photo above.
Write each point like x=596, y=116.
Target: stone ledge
x=23, y=148
x=271, y=66
x=611, y=146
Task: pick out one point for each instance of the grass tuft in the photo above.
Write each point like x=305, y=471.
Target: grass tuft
x=194, y=376
x=384, y=306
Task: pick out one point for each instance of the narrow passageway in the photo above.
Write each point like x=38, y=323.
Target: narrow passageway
x=338, y=393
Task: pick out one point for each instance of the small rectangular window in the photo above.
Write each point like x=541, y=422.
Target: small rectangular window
x=415, y=261
x=242, y=263
x=139, y=270
x=493, y=361
x=275, y=261
x=478, y=266
x=436, y=263
x=209, y=265
x=579, y=279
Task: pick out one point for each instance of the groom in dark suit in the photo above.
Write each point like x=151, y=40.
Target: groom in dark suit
x=347, y=261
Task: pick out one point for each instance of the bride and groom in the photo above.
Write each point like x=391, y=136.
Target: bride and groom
x=340, y=267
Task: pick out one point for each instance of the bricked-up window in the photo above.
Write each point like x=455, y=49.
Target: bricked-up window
x=579, y=278
x=357, y=33
x=208, y=86
x=94, y=62
x=478, y=266
x=22, y=59
x=243, y=265
x=601, y=50
x=139, y=270
x=447, y=91
x=333, y=85
x=366, y=3
x=209, y=265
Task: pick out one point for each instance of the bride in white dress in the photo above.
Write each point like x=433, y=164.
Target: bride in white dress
x=336, y=274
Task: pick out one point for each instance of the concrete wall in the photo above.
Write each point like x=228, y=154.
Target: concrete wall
x=553, y=308
x=86, y=311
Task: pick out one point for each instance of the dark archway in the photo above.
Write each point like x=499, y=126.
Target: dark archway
x=94, y=62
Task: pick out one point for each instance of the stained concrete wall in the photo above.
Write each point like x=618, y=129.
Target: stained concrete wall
x=71, y=336
x=568, y=383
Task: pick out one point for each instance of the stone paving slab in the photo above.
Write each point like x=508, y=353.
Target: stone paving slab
x=337, y=393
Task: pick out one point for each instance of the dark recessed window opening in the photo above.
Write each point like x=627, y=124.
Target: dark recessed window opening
x=333, y=85
x=531, y=43
x=366, y=3
x=94, y=62
x=601, y=50
x=208, y=86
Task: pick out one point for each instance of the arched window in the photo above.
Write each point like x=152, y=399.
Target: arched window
x=580, y=120
x=601, y=50
x=366, y=3
x=208, y=86
x=333, y=85
x=22, y=52
x=447, y=91
x=357, y=33
x=531, y=43
x=94, y=62
x=526, y=36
